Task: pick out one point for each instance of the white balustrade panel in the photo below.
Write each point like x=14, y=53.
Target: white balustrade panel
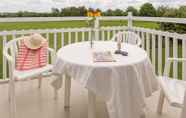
x=158, y=44
x=161, y=45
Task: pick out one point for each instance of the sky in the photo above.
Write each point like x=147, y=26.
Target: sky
x=46, y=5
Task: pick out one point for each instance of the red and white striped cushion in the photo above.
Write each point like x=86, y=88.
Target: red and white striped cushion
x=30, y=59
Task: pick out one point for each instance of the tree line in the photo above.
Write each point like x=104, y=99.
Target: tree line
x=146, y=9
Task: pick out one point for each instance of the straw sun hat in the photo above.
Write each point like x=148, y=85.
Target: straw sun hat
x=34, y=41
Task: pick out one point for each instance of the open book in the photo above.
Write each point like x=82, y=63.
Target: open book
x=103, y=56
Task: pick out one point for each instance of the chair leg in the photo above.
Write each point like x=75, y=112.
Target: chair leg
x=161, y=102
x=57, y=83
x=12, y=99
x=143, y=115
x=55, y=94
x=9, y=93
x=183, y=113
x=91, y=105
x=67, y=91
x=39, y=82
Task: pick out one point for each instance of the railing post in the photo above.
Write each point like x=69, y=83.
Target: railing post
x=130, y=21
x=96, y=28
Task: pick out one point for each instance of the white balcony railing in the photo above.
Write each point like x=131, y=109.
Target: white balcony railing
x=158, y=44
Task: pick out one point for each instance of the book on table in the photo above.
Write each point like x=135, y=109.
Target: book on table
x=103, y=56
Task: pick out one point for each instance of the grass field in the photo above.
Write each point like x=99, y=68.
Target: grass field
x=65, y=24
x=71, y=24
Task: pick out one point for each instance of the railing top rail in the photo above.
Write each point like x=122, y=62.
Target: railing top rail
x=137, y=18
x=113, y=18
x=113, y=28
x=161, y=33
x=151, y=19
x=18, y=32
x=41, y=19
x=160, y=19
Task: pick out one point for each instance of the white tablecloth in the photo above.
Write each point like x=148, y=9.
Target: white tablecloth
x=123, y=84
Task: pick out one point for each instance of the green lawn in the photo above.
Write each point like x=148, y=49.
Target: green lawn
x=66, y=24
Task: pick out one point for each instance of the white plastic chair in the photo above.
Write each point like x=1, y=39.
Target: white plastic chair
x=10, y=51
x=128, y=37
x=172, y=89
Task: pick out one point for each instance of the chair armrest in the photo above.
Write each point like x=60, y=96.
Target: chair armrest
x=11, y=63
x=137, y=38
x=53, y=54
x=139, y=42
x=169, y=61
x=8, y=57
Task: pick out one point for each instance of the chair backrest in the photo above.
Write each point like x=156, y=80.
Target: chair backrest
x=11, y=49
x=128, y=37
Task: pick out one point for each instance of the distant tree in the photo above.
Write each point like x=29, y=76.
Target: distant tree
x=20, y=14
x=147, y=9
x=171, y=12
x=161, y=11
x=118, y=12
x=66, y=12
x=73, y=11
x=109, y=12
x=82, y=11
x=55, y=11
x=133, y=10
x=182, y=12
x=99, y=10
x=90, y=9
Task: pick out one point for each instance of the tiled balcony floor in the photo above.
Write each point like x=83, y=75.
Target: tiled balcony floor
x=35, y=103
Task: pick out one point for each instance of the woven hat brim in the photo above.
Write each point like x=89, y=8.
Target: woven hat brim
x=29, y=45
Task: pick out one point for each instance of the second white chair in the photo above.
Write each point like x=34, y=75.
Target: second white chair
x=128, y=37
x=172, y=89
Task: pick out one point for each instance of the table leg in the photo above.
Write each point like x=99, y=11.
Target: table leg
x=143, y=115
x=67, y=91
x=91, y=105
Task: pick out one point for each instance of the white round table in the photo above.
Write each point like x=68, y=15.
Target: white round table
x=123, y=84
x=81, y=54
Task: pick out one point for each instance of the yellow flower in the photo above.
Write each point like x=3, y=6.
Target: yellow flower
x=97, y=14
x=90, y=14
x=93, y=14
